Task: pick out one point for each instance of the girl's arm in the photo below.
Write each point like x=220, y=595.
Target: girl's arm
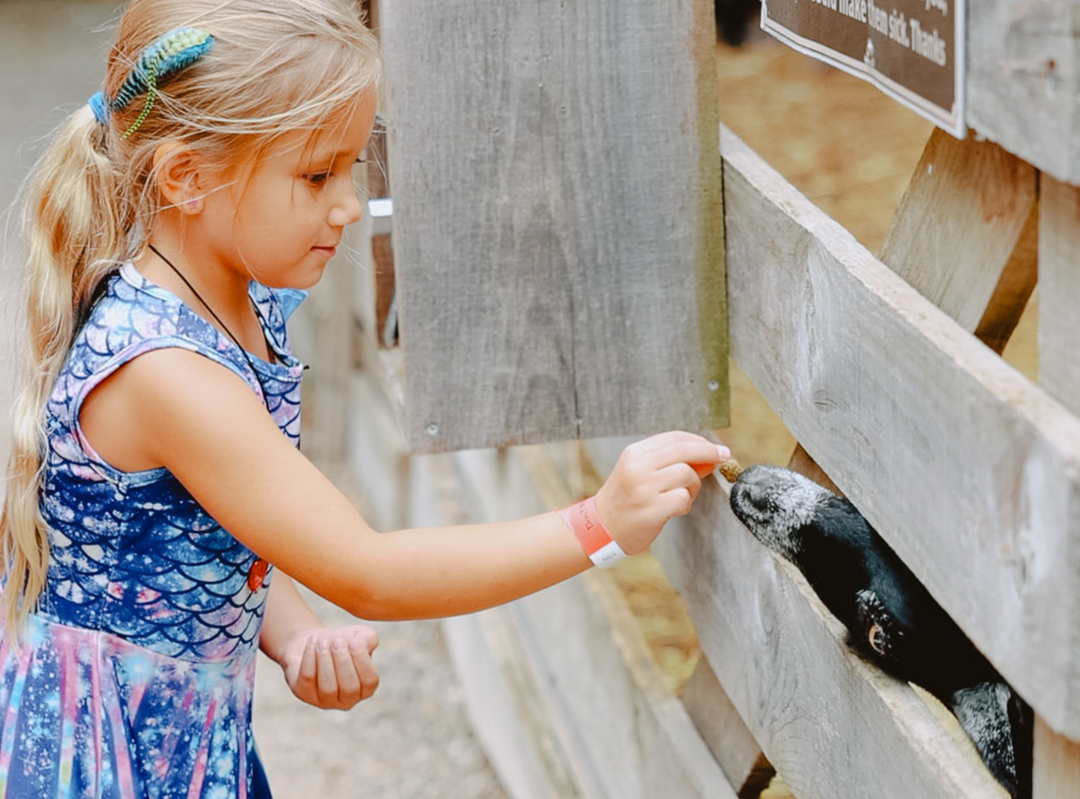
x=176, y=409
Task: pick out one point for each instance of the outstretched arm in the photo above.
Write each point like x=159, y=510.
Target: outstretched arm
x=199, y=420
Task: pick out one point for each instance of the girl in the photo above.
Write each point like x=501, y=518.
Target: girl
x=155, y=474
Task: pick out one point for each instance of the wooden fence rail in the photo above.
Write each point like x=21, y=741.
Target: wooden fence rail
x=968, y=470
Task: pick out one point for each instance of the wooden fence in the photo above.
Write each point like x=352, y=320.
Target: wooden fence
x=887, y=372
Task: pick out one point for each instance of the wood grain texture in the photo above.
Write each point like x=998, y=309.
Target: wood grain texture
x=725, y=733
x=1057, y=760
x=1059, y=291
x=1023, y=75
x=623, y=734
x=507, y=707
x=831, y=724
x=558, y=240
x=970, y=473
x=620, y=718
x=959, y=222
x=1014, y=288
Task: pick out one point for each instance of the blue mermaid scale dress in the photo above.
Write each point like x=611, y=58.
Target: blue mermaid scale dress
x=134, y=678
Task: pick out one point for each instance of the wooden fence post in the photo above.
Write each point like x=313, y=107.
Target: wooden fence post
x=1057, y=758
x=558, y=232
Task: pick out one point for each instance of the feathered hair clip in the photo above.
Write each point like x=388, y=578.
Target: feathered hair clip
x=169, y=54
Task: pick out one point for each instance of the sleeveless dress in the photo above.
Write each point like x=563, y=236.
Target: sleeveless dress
x=134, y=678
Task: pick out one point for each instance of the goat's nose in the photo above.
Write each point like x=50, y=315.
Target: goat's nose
x=754, y=485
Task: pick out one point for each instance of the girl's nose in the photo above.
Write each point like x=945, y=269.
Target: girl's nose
x=347, y=209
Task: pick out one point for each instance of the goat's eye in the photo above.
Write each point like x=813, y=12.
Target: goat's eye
x=877, y=639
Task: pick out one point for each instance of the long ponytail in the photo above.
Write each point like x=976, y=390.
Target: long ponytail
x=76, y=224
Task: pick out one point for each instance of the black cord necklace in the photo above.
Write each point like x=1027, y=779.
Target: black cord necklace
x=260, y=566
x=217, y=318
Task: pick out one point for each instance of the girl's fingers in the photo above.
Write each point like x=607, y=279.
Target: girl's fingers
x=364, y=667
x=678, y=475
x=679, y=501
x=687, y=445
x=369, y=637
x=326, y=681
x=308, y=666
x=349, y=683
x=704, y=469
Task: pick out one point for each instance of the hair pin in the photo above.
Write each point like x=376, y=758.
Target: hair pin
x=167, y=55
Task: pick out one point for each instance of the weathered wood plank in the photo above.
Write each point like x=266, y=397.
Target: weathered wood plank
x=1059, y=291
x=506, y=706
x=377, y=457
x=1014, y=289
x=558, y=238
x=968, y=471
x=958, y=222
x=624, y=733
x=1023, y=75
x=966, y=237
x=636, y=736
x=832, y=725
x=724, y=732
x=1057, y=760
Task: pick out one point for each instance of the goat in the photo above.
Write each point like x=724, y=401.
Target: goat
x=891, y=618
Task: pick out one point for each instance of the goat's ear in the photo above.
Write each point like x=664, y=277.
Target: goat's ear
x=838, y=519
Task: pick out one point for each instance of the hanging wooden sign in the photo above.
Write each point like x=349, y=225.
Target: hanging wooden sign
x=912, y=50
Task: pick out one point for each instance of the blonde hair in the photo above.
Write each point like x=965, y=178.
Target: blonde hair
x=275, y=66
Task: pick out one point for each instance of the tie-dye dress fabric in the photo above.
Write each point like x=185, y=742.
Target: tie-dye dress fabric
x=134, y=678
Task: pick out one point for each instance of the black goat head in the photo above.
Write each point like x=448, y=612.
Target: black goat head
x=890, y=617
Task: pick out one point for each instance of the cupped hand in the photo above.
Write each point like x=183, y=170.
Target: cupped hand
x=331, y=667
x=655, y=479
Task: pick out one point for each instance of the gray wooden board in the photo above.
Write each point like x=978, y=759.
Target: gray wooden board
x=1057, y=760
x=557, y=231
x=1023, y=76
x=1059, y=291
x=970, y=472
x=506, y=706
x=636, y=736
x=831, y=724
x=723, y=729
x=1057, y=765
x=624, y=734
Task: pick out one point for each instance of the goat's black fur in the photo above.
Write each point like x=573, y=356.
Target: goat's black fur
x=891, y=618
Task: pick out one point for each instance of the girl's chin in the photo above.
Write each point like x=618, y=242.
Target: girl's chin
x=297, y=279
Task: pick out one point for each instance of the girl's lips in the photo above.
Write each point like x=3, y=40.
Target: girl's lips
x=327, y=251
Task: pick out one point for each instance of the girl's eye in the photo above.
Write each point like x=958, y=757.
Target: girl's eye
x=318, y=178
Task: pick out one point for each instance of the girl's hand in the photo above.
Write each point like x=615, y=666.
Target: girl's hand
x=331, y=668
x=655, y=479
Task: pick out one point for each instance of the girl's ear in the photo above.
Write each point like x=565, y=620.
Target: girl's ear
x=181, y=178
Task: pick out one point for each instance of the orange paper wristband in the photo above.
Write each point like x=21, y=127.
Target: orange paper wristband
x=585, y=523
